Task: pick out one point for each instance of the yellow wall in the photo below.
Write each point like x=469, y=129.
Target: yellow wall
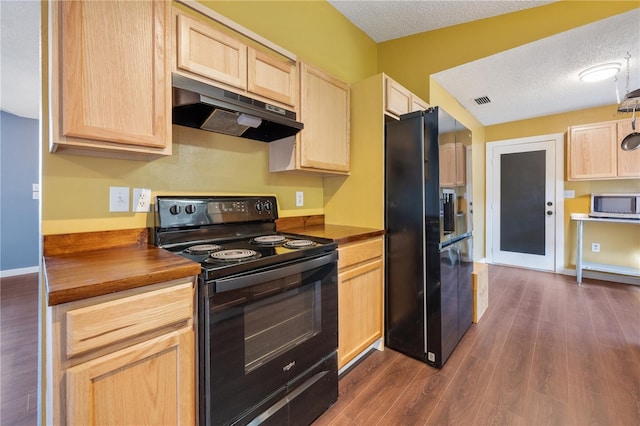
x=359, y=199
x=75, y=189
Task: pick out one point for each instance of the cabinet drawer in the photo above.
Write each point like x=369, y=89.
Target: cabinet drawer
x=102, y=324
x=355, y=253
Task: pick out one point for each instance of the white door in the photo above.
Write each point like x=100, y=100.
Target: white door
x=522, y=201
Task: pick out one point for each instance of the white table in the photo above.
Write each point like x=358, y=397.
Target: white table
x=580, y=218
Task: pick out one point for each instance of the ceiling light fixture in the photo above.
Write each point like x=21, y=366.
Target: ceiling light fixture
x=599, y=72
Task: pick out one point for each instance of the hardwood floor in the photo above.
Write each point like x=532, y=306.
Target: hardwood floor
x=18, y=350
x=546, y=352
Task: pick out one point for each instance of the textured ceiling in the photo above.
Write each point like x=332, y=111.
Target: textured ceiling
x=389, y=19
x=541, y=78
x=20, y=57
x=533, y=80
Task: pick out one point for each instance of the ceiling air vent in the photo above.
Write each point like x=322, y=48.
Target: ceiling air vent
x=482, y=100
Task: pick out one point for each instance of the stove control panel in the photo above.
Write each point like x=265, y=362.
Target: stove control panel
x=195, y=211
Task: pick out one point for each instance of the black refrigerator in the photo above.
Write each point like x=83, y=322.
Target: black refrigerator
x=428, y=296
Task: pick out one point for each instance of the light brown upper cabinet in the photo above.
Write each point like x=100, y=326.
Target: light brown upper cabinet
x=628, y=161
x=452, y=165
x=323, y=145
x=399, y=100
x=593, y=152
x=110, y=96
x=208, y=54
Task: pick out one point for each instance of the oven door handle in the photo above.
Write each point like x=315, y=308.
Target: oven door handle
x=235, y=283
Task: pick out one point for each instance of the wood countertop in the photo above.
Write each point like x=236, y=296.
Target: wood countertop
x=341, y=234
x=84, y=265
x=76, y=275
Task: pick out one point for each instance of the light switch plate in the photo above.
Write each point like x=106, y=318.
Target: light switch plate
x=118, y=199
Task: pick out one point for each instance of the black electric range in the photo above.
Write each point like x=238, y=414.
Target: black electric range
x=229, y=235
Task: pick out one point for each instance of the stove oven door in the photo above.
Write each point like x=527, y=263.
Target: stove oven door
x=260, y=332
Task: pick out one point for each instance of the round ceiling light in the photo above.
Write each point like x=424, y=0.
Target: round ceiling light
x=599, y=72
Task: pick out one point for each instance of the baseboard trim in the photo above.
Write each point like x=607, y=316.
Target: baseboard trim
x=377, y=345
x=19, y=271
x=604, y=276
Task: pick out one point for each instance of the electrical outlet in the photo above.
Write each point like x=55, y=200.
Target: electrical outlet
x=299, y=198
x=141, y=200
x=595, y=247
x=118, y=199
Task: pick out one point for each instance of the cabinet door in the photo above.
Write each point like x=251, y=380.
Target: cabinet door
x=359, y=309
x=149, y=383
x=447, y=165
x=210, y=53
x=111, y=83
x=418, y=104
x=272, y=78
x=628, y=161
x=591, y=151
x=324, y=141
x=397, y=99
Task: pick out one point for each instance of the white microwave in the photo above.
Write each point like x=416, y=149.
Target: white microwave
x=617, y=206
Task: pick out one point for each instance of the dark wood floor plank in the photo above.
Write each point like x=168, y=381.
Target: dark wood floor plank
x=494, y=415
x=510, y=382
x=373, y=403
x=554, y=301
x=587, y=408
x=603, y=319
x=623, y=376
x=353, y=383
x=18, y=349
x=549, y=375
x=625, y=303
x=542, y=410
x=418, y=401
x=462, y=399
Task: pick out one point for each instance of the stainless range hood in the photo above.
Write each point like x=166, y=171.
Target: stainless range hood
x=206, y=107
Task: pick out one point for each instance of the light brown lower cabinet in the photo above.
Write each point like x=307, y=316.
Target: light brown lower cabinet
x=360, y=297
x=123, y=358
x=141, y=385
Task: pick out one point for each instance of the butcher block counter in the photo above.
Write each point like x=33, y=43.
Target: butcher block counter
x=314, y=226
x=119, y=316
x=84, y=265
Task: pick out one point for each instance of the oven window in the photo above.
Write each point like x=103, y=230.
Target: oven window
x=275, y=325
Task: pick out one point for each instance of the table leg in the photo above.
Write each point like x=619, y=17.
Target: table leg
x=579, y=253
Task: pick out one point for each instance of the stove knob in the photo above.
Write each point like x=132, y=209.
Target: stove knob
x=267, y=206
x=259, y=206
x=190, y=209
x=175, y=209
